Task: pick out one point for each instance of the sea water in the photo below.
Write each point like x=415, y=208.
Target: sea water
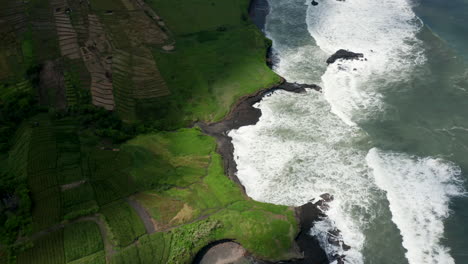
x=387, y=136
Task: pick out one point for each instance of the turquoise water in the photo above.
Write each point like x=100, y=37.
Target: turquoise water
x=448, y=20
x=387, y=137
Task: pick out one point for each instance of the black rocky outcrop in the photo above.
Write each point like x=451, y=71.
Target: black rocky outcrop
x=345, y=55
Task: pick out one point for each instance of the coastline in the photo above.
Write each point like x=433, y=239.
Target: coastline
x=243, y=113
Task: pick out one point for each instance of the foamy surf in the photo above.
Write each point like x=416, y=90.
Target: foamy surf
x=419, y=191
x=298, y=151
x=305, y=145
x=384, y=31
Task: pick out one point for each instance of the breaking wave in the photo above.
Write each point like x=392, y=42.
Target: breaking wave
x=305, y=145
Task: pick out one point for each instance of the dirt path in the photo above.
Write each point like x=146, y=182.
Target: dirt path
x=72, y=185
x=105, y=232
x=144, y=216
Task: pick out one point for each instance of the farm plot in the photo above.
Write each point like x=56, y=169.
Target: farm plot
x=135, y=74
x=77, y=82
x=13, y=22
x=82, y=239
x=43, y=149
x=155, y=248
x=44, y=34
x=96, y=55
x=147, y=79
x=135, y=77
x=46, y=208
x=96, y=258
x=69, y=149
x=52, y=85
x=123, y=85
x=68, y=39
x=78, y=201
x=118, y=185
x=109, y=176
x=43, y=180
x=79, y=20
x=48, y=249
x=14, y=13
x=124, y=223
x=18, y=156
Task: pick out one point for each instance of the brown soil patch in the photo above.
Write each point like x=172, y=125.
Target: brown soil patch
x=52, y=85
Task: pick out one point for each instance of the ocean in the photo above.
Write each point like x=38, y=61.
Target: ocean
x=387, y=136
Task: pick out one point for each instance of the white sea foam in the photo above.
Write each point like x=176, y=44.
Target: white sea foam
x=295, y=54
x=384, y=31
x=419, y=190
x=299, y=150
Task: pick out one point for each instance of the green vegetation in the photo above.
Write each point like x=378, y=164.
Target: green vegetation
x=79, y=201
x=205, y=193
x=219, y=57
x=82, y=239
x=124, y=223
x=47, y=249
x=68, y=168
x=96, y=258
x=209, y=72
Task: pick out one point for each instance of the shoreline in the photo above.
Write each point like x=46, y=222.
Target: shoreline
x=243, y=113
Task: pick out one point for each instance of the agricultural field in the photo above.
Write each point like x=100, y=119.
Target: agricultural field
x=219, y=57
x=78, y=201
x=129, y=185
x=47, y=249
x=82, y=239
x=124, y=223
x=153, y=249
x=96, y=258
x=108, y=175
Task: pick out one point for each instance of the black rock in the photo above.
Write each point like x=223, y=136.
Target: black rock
x=345, y=55
x=314, y=3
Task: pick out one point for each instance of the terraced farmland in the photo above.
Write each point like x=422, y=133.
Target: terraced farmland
x=97, y=56
x=68, y=39
x=47, y=249
x=81, y=174
x=82, y=239
x=13, y=24
x=124, y=223
x=136, y=77
x=43, y=29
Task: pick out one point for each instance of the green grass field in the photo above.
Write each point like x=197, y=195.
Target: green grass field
x=48, y=249
x=124, y=223
x=185, y=17
x=79, y=201
x=169, y=158
x=219, y=57
x=81, y=240
x=266, y=230
x=96, y=258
